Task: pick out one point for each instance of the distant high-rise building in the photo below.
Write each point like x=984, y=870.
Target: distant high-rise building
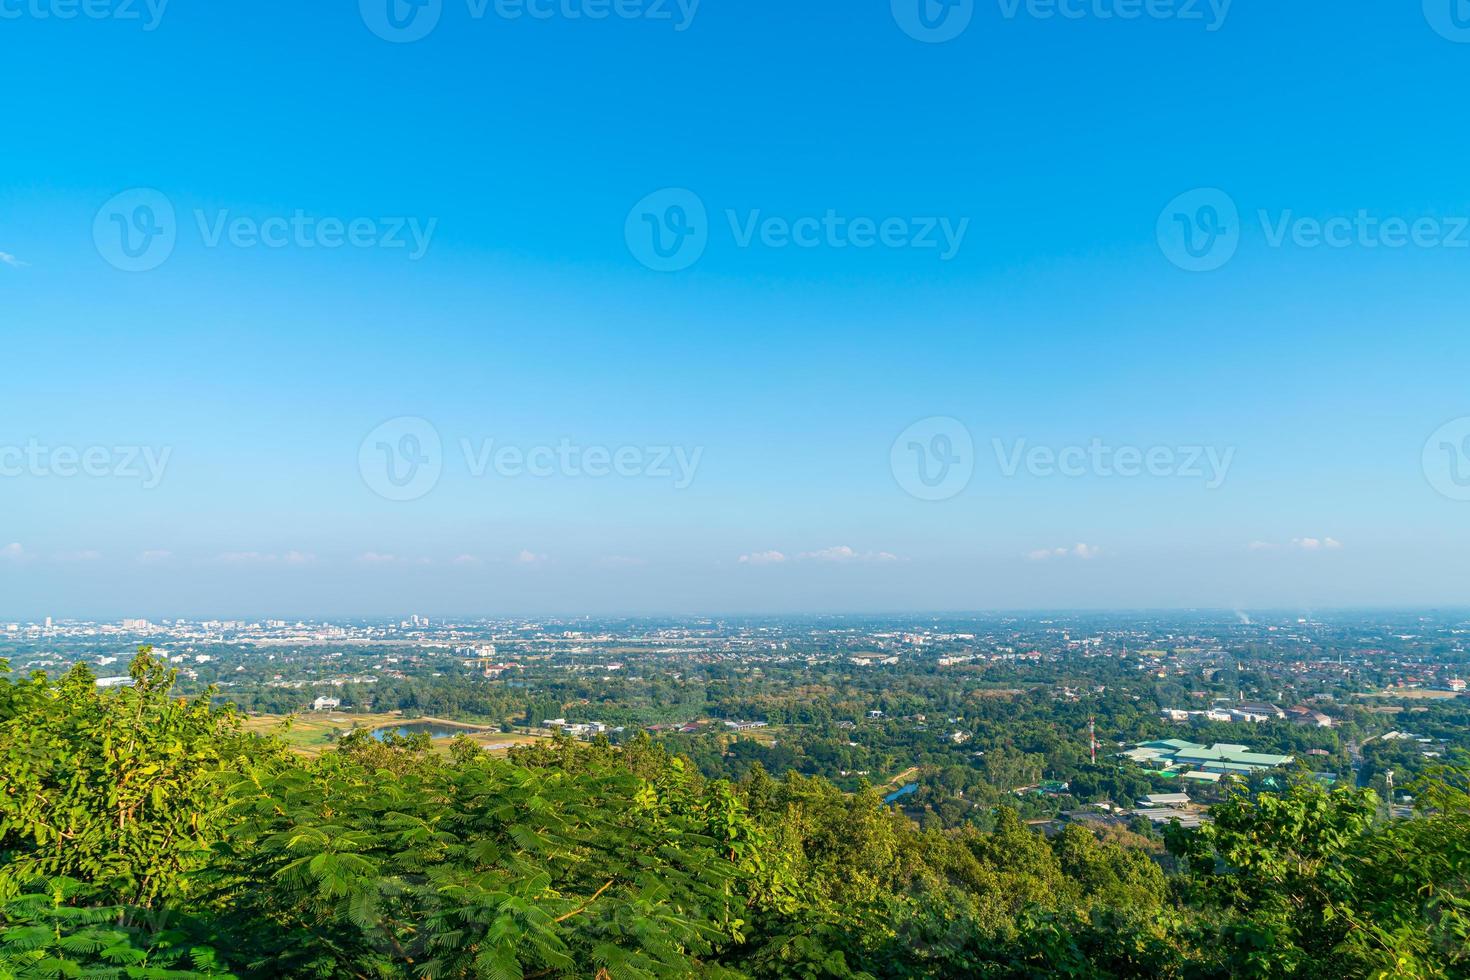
x=48, y=622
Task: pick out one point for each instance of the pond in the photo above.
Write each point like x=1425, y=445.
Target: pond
x=899, y=794
x=432, y=729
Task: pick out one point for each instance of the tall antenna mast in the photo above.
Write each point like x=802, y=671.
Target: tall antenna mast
x=1092, y=737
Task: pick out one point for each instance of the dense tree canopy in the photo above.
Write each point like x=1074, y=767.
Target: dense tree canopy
x=143, y=834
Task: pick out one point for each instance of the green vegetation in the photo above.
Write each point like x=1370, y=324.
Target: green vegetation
x=317, y=732
x=147, y=835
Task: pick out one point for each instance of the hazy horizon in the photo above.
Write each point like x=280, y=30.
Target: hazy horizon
x=1310, y=616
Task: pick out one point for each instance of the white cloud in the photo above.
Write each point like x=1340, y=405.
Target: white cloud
x=13, y=552
x=844, y=553
x=244, y=558
x=840, y=553
x=375, y=558
x=1300, y=544
x=1086, y=552
x=527, y=557
x=467, y=560
x=154, y=556
x=837, y=554
x=265, y=558
x=12, y=261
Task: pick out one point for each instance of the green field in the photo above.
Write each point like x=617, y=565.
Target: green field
x=311, y=733
x=1411, y=694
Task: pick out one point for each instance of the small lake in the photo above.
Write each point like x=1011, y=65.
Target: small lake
x=899, y=794
x=432, y=729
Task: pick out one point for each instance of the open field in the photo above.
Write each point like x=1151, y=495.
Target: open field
x=1411, y=694
x=906, y=776
x=311, y=733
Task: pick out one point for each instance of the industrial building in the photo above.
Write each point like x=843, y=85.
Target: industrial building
x=1204, y=763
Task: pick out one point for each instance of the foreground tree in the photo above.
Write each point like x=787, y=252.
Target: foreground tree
x=1308, y=884
x=144, y=835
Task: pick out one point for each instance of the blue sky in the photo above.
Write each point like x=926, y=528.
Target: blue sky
x=523, y=151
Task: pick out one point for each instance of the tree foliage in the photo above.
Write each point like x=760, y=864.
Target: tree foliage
x=144, y=835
